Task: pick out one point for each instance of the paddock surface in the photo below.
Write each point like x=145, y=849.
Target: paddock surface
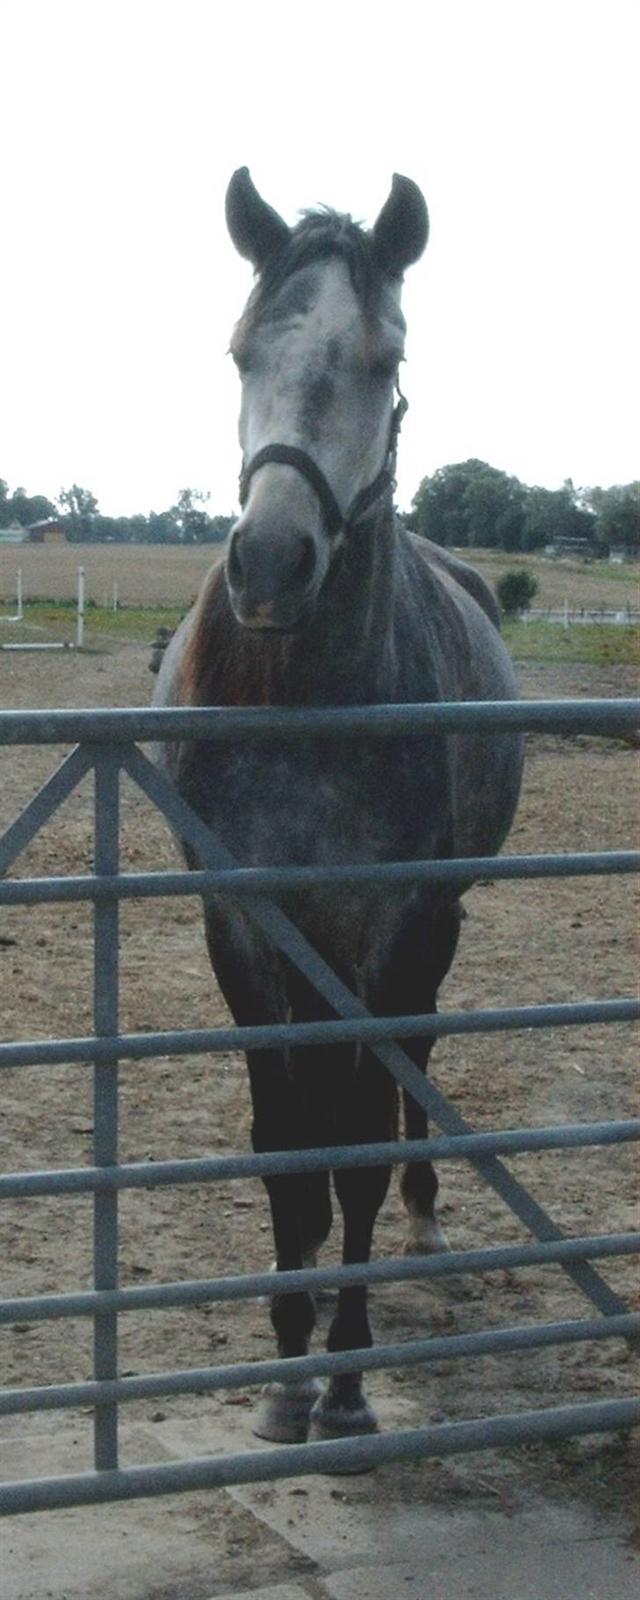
x=556, y=940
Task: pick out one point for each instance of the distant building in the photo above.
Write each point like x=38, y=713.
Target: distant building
x=578, y=548
x=619, y=554
x=14, y=534
x=50, y=531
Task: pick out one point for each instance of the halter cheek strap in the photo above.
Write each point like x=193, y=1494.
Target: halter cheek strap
x=289, y=456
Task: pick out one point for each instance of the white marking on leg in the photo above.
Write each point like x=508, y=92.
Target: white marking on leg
x=426, y=1236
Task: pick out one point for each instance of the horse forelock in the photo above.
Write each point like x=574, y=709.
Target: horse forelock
x=318, y=235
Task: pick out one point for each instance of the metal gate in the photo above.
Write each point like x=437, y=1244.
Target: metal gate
x=108, y=745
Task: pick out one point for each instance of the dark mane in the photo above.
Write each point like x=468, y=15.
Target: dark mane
x=317, y=235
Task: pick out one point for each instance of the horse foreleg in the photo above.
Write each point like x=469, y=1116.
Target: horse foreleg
x=311, y=1084
x=416, y=965
x=343, y=1409
x=419, y=1181
x=252, y=979
x=284, y=1414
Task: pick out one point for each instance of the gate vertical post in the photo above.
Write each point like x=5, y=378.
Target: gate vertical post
x=105, y=1095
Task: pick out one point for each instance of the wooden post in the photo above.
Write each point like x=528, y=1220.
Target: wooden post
x=80, y=619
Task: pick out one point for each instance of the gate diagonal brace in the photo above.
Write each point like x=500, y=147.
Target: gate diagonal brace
x=286, y=937
x=38, y=812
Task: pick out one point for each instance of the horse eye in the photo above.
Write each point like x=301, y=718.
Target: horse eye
x=385, y=368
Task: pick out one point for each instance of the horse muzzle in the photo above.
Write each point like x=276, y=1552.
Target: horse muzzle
x=274, y=575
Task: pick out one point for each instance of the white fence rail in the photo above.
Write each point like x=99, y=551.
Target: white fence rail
x=568, y=616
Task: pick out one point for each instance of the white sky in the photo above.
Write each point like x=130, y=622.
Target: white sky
x=120, y=125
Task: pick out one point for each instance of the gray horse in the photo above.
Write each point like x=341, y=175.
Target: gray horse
x=326, y=600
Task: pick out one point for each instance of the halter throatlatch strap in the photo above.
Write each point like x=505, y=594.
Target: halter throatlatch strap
x=286, y=455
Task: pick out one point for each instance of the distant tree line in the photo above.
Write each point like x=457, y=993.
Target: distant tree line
x=187, y=522
x=471, y=503
x=468, y=503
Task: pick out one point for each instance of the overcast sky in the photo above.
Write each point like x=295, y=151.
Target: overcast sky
x=120, y=125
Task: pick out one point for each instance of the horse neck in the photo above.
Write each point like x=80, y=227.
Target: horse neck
x=346, y=650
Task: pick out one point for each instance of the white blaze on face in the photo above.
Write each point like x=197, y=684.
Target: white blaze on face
x=321, y=378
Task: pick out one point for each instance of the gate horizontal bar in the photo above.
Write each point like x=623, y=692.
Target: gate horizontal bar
x=212, y=1169
x=195, y=1041
x=243, y=1374
x=253, y=880
x=335, y=722
x=453, y=1263
x=255, y=1466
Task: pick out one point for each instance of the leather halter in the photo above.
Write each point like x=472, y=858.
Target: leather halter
x=290, y=456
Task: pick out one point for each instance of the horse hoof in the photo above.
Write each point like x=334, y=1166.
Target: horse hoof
x=340, y=1422
x=283, y=1417
x=427, y=1238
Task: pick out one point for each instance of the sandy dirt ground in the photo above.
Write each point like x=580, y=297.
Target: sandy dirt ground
x=546, y=941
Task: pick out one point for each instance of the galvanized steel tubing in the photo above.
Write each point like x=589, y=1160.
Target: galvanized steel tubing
x=106, y=746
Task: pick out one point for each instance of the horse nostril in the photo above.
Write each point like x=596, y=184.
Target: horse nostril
x=305, y=562
x=234, y=564
x=264, y=563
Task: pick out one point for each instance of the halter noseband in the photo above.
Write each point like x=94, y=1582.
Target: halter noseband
x=289, y=456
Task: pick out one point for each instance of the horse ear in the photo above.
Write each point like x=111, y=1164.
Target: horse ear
x=402, y=229
x=256, y=229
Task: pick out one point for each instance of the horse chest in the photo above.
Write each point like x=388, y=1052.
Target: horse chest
x=319, y=804
x=326, y=804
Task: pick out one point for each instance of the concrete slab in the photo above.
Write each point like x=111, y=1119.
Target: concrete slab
x=278, y=1591
x=312, y=1539
x=106, y=1553
x=313, y=1514
x=180, y=1547
x=541, y=1556
x=366, y=1550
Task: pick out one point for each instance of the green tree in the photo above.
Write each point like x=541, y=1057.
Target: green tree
x=28, y=508
x=119, y=530
x=515, y=590
x=219, y=529
x=81, y=508
x=190, y=518
x=617, y=512
x=438, y=510
x=22, y=507
x=553, y=515
x=5, y=517
x=494, y=508
x=136, y=528
x=469, y=503
x=162, y=528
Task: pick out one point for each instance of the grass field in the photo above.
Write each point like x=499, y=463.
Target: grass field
x=582, y=583
x=597, y=643
x=156, y=585
x=146, y=575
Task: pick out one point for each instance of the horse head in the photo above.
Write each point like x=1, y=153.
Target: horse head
x=318, y=349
